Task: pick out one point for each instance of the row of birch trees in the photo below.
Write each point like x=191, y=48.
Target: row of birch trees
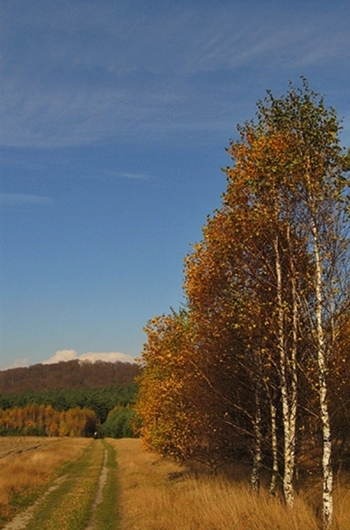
x=255, y=365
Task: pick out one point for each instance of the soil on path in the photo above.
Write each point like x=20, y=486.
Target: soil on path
x=99, y=493
x=20, y=521
x=27, y=516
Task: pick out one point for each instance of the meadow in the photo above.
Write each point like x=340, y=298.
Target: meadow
x=142, y=491
x=158, y=494
x=28, y=465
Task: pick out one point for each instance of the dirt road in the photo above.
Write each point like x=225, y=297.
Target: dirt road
x=73, y=500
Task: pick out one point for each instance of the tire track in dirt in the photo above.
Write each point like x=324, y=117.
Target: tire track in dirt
x=99, y=493
x=20, y=521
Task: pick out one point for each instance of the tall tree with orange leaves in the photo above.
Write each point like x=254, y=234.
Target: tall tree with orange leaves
x=280, y=256
x=318, y=189
x=266, y=289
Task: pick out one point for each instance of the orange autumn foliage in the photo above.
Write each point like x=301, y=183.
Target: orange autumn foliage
x=44, y=420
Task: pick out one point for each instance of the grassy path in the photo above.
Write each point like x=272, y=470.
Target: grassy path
x=84, y=498
x=68, y=507
x=106, y=516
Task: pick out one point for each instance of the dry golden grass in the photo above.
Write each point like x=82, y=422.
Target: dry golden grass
x=157, y=494
x=9, y=445
x=28, y=463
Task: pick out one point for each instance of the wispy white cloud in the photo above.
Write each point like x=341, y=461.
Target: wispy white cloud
x=70, y=355
x=279, y=45
x=19, y=363
x=79, y=116
x=17, y=199
x=87, y=72
x=61, y=356
x=126, y=175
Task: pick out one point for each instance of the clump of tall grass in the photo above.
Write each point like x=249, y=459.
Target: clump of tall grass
x=156, y=494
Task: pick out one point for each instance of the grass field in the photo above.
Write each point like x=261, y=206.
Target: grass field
x=157, y=494
x=28, y=465
x=140, y=491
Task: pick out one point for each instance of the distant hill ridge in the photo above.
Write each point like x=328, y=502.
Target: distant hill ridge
x=73, y=374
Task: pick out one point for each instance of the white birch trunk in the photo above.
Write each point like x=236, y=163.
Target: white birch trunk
x=293, y=357
x=287, y=411
x=274, y=474
x=255, y=475
x=327, y=492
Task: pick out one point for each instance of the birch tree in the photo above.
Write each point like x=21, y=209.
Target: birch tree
x=318, y=193
x=282, y=247
x=274, y=253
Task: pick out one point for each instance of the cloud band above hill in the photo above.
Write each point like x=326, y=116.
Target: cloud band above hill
x=70, y=355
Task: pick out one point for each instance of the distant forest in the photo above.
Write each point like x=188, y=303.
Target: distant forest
x=72, y=374
x=69, y=399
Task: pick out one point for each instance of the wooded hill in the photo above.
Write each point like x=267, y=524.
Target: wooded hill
x=66, y=375
x=68, y=399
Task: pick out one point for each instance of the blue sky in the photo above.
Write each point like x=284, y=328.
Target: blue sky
x=115, y=116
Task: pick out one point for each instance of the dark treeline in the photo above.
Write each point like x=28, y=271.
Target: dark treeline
x=100, y=400
x=66, y=375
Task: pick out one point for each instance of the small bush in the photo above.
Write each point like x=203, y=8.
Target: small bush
x=119, y=423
